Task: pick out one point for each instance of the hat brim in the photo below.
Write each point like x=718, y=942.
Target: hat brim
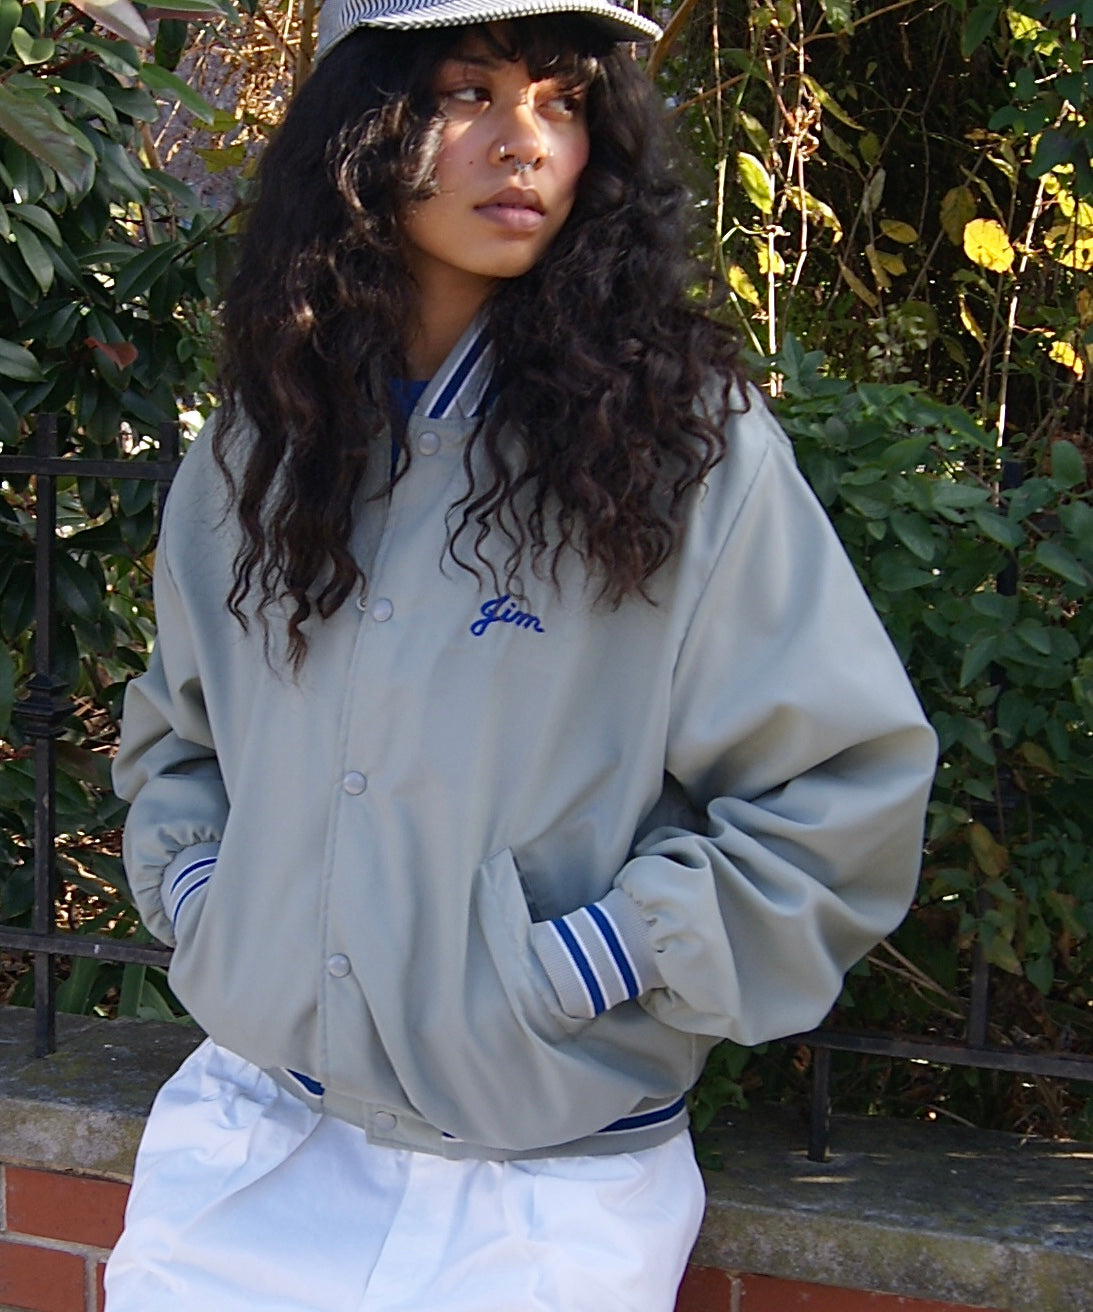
x=620, y=23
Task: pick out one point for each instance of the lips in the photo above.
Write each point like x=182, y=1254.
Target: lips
x=514, y=198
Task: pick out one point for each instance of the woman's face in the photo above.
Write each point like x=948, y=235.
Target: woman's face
x=511, y=156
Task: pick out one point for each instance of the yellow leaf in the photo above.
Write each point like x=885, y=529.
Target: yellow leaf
x=769, y=261
x=860, y=290
x=990, y=856
x=756, y=181
x=957, y=210
x=1070, y=246
x=986, y=244
x=968, y=320
x=743, y=286
x=879, y=276
x=891, y=263
x=816, y=210
x=1063, y=353
x=1022, y=27
x=901, y=232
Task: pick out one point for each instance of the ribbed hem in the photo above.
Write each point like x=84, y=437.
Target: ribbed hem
x=597, y=956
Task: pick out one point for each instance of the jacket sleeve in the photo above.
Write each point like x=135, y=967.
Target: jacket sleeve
x=167, y=768
x=794, y=732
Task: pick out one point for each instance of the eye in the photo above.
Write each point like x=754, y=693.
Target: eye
x=468, y=95
x=564, y=103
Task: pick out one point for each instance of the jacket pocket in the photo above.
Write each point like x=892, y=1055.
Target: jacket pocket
x=506, y=927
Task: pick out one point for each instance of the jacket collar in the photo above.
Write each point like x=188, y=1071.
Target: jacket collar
x=460, y=387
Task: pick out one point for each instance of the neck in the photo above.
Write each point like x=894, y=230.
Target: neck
x=443, y=316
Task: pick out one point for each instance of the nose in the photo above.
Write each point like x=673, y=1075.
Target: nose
x=520, y=144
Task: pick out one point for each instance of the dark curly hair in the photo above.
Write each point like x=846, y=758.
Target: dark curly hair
x=615, y=381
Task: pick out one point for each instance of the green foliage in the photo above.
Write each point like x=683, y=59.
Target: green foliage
x=897, y=205
x=109, y=270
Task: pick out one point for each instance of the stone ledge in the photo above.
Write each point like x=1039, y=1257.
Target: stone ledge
x=924, y=1211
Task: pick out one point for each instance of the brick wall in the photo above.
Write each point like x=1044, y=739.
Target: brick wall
x=56, y=1231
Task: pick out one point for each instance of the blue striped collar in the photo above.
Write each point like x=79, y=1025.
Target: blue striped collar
x=460, y=387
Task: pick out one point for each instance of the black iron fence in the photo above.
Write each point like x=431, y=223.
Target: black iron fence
x=46, y=707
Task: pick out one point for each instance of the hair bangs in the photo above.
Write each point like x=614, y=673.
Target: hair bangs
x=566, y=47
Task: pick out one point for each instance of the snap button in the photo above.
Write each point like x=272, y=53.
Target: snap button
x=383, y=610
x=385, y=1121
x=428, y=444
x=354, y=783
x=338, y=965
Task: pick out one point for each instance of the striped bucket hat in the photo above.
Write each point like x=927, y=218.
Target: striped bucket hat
x=338, y=18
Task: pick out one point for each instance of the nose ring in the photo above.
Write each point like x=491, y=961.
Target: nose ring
x=520, y=166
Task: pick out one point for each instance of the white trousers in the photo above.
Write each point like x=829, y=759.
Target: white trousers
x=245, y=1200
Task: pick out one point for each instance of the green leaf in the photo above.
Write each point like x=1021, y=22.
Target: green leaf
x=92, y=97
x=36, y=217
x=41, y=131
x=981, y=22
x=915, y=533
x=977, y=657
x=756, y=132
x=995, y=606
x=1040, y=973
x=18, y=363
x=30, y=49
x=11, y=11
x=1034, y=635
x=116, y=56
x=1059, y=561
x=946, y=495
x=34, y=256
x=897, y=574
x=839, y=14
x=756, y=181
x=1067, y=465
x=997, y=527
x=160, y=79
x=138, y=274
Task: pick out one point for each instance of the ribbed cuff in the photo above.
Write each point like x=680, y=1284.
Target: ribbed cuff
x=597, y=956
x=189, y=871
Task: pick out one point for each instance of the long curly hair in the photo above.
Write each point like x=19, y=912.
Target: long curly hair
x=616, y=383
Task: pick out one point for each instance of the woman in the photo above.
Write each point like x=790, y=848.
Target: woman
x=516, y=727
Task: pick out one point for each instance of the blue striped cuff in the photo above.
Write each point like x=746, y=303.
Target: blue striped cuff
x=597, y=956
x=185, y=877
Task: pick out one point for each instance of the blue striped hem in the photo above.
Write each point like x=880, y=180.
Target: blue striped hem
x=312, y=1086
x=658, y=1116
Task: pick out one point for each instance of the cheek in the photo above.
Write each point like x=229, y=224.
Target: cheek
x=573, y=160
